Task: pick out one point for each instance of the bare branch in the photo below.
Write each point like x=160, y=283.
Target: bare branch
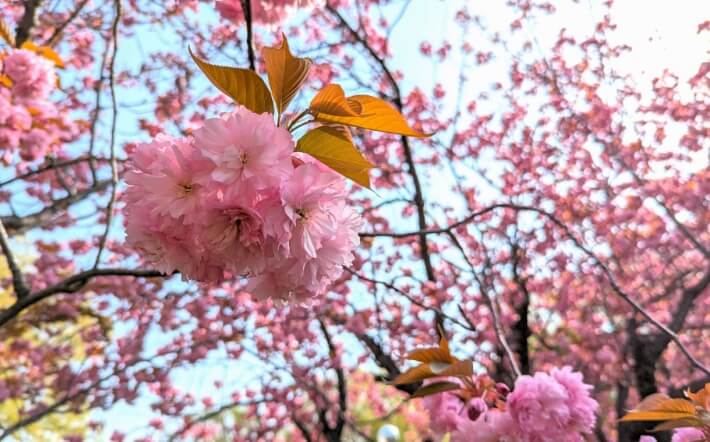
x=114, y=120
x=70, y=285
x=18, y=281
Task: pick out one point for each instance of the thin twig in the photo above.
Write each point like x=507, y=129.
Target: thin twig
x=246, y=8
x=591, y=255
x=114, y=119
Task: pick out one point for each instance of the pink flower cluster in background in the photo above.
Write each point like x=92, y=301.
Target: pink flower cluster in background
x=682, y=435
x=29, y=122
x=544, y=407
x=264, y=12
x=234, y=200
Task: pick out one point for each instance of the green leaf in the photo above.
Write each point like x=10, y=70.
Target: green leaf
x=333, y=147
x=243, y=86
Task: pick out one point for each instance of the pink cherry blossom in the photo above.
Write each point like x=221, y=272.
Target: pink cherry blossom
x=32, y=76
x=688, y=435
x=248, y=151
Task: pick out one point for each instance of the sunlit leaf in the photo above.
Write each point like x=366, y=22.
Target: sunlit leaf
x=331, y=101
x=333, y=148
x=701, y=397
x=375, y=114
x=436, y=387
x=660, y=407
x=416, y=374
x=243, y=86
x=44, y=51
x=286, y=73
x=6, y=34
x=678, y=423
x=430, y=355
x=459, y=369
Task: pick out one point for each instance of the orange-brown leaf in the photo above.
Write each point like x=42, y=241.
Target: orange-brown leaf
x=5, y=80
x=44, y=51
x=458, y=369
x=701, y=397
x=429, y=355
x=678, y=423
x=332, y=147
x=331, y=100
x=660, y=407
x=6, y=34
x=286, y=73
x=243, y=86
x=416, y=374
x=435, y=387
x=375, y=114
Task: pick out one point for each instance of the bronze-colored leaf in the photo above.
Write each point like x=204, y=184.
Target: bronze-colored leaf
x=429, y=355
x=243, y=86
x=44, y=51
x=286, y=73
x=375, y=114
x=660, y=407
x=331, y=100
x=436, y=387
x=5, y=80
x=334, y=149
x=458, y=369
x=678, y=423
x=6, y=34
x=416, y=374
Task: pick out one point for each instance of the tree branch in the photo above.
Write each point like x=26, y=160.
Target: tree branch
x=586, y=251
x=246, y=8
x=18, y=281
x=70, y=285
x=27, y=22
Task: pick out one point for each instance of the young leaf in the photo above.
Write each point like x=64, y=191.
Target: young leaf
x=286, y=73
x=434, y=388
x=332, y=147
x=375, y=114
x=5, y=80
x=243, y=86
x=331, y=100
x=659, y=407
x=44, y=51
x=6, y=34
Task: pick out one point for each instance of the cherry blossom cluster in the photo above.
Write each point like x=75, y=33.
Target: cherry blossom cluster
x=234, y=200
x=29, y=122
x=682, y=435
x=264, y=12
x=544, y=407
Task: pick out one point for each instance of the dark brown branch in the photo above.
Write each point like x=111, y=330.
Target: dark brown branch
x=337, y=431
x=246, y=8
x=70, y=285
x=54, y=38
x=587, y=252
x=27, y=22
x=20, y=224
x=18, y=281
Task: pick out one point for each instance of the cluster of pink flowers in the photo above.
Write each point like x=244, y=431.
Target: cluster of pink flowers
x=235, y=200
x=262, y=11
x=544, y=407
x=29, y=122
x=682, y=435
